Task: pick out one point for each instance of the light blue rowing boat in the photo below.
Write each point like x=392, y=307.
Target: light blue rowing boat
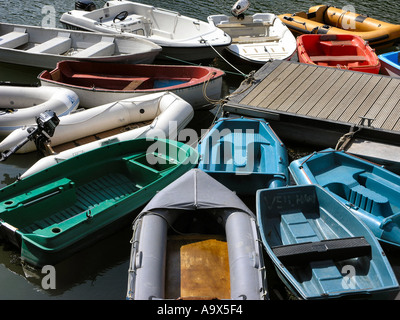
x=245, y=155
x=320, y=249
x=372, y=192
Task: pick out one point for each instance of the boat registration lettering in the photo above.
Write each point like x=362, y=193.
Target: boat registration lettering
x=290, y=200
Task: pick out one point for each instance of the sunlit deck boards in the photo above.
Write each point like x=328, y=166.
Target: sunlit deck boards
x=322, y=94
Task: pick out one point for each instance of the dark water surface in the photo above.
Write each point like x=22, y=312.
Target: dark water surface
x=101, y=271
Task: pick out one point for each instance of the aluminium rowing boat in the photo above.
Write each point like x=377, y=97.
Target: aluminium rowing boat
x=44, y=47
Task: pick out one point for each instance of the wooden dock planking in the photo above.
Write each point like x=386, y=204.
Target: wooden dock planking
x=385, y=104
x=309, y=91
x=267, y=98
x=268, y=87
x=349, y=93
x=355, y=110
x=392, y=122
x=323, y=109
x=370, y=100
x=284, y=101
x=308, y=107
x=322, y=93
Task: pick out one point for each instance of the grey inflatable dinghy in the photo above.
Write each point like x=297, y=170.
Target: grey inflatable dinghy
x=205, y=216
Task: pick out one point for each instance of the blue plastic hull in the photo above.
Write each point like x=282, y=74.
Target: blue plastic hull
x=321, y=250
x=390, y=63
x=244, y=155
x=372, y=192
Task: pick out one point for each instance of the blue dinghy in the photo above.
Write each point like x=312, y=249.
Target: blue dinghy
x=321, y=250
x=244, y=155
x=390, y=63
x=372, y=192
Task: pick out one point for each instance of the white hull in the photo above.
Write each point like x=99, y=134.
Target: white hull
x=44, y=47
x=258, y=39
x=21, y=105
x=181, y=37
x=170, y=113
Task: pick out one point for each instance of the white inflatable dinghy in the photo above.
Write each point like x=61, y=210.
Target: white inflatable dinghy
x=20, y=106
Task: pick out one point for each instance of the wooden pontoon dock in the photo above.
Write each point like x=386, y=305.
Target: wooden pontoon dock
x=322, y=105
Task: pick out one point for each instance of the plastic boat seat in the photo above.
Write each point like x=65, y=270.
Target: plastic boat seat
x=297, y=228
x=332, y=249
x=57, y=45
x=105, y=47
x=14, y=39
x=338, y=58
x=326, y=276
x=369, y=200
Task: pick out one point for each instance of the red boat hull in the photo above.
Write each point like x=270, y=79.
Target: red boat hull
x=342, y=51
x=100, y=83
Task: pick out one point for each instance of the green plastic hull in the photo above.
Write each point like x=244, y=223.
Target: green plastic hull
x=69, y=206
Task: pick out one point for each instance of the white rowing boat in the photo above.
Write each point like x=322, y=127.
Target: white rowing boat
x=44, y=47
x=258, y=39
x=180, y=36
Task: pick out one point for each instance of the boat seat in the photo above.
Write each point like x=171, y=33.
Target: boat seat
x=134, y=84
x=332, y=43
x=337, y=58
x=333, y=249
x=105, y=47
x=369, y=200
x=57, y=45
x=162, y=33
x=244, y=40
x=14, y=39
x=205, y=270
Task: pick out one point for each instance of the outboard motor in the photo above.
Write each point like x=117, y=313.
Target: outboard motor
x=85, y=5
x=239, y=8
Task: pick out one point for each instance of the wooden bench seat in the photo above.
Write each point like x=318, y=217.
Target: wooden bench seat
x=333, y=43
x=337, y=58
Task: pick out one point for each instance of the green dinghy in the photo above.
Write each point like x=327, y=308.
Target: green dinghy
x=69, y=206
